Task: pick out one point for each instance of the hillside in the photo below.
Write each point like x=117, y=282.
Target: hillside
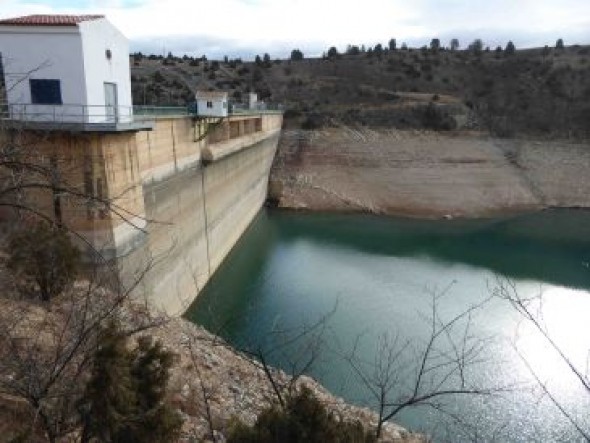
x=543, y=91
x=427, y=174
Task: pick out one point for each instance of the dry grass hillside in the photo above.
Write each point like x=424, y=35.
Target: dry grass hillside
x=544, y=91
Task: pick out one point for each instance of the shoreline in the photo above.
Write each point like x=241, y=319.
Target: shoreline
x=426, y=175
x=500, y=214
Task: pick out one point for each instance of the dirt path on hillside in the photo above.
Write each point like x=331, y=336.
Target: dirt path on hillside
x=426, y=174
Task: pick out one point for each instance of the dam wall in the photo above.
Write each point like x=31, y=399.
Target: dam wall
x=197, y=206
x=173, y=200
x=202, y=183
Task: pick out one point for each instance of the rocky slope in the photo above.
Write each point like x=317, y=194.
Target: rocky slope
x=236, y=386
x=211, y=384
x=426, y=174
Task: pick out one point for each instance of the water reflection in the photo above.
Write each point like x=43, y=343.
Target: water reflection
x=291, y=268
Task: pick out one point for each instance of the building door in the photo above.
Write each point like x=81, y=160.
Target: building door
x=110, y=101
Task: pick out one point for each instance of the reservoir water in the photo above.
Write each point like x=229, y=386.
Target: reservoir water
x=375, y=281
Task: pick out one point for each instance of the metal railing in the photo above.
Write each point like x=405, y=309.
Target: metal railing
x=259, y=108
x=69, y=113
x=163, y=111
x=100, y=114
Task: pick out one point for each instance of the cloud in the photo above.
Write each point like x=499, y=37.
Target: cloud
x=247, y=27
x=217, y=48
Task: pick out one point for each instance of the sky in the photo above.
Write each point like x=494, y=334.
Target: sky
x=243, y=28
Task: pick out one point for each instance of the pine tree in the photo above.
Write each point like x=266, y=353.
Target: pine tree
x=559, y=44
x=44, y=259
x=157, y=421
x=296, y=55
x=510, y=48
x=435, y=44
x=124, y=400
x=108, y=405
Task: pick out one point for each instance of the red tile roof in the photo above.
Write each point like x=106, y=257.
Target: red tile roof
x=49, y=20
x=211, y=94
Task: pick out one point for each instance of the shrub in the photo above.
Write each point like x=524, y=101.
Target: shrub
x=476, y=46
x=510, y=48
x=257, y=75
x=291, y=113
x=304, y=419
x=438, y=119
x=559, y=44
x=312, y=121
x=124, y=399
x=43, y=259
x=158, y=77
x=296, y=55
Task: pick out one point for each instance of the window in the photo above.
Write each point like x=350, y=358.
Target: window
x=210, y=104
x=45, y=92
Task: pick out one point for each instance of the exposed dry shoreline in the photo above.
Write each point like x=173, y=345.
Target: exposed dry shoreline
x=238, y=386
x=427, y=174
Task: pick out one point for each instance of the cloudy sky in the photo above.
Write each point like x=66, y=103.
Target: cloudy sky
x=247, y=27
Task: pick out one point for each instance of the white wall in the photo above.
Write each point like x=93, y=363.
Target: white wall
x=97, y=37
x=77, y=57
x=218, y=110
x=43, y=53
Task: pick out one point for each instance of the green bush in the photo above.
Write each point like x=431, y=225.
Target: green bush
x=43, y=259
x=313, y=121
x=124, y=400
x=436, y=118
x=304, y=419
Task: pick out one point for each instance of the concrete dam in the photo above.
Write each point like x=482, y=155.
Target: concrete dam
x=178, y=192
x=199, y=195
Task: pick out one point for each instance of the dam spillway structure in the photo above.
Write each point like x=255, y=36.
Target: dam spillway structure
x=179, y=189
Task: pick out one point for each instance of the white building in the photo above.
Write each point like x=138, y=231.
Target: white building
x=64, y=68
x=252, y=98
x=212, y=104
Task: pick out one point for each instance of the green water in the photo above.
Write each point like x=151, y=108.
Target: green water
x=376, y=277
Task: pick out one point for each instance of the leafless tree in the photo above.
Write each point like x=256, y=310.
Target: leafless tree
x=46, y=353
x=531, y=311
x=46, y=349
x=297, y=348
x=405, y=373
x=206, y=390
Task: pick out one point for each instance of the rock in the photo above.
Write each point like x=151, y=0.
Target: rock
x=235, y=386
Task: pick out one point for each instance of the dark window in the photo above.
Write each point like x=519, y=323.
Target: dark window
x=2, y=86
x=45, y=92
x=209, y=104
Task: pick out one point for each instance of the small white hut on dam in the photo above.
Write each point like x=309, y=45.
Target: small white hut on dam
x=66, y=69
x=212, y=104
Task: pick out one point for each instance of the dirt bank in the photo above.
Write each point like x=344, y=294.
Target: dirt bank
x=426, y=174
x=237, y=387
